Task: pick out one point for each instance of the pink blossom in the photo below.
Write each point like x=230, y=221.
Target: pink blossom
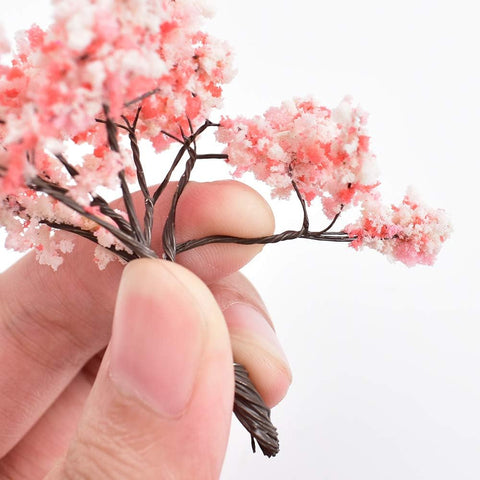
x=412, y=232
x=103, y=59
x=326, y=152
x=101, y=52
x=97, y=53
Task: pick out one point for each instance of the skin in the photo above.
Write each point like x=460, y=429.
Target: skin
x=76, y=403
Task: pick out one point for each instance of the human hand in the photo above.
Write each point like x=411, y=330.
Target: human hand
x=54, y=328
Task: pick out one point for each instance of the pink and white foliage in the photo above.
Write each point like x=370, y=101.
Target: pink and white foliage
x=105, y=52
x=326, y=152
x=97, y=53
x=101, y=55
x=411, y=232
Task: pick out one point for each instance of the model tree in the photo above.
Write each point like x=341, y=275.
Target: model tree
x=107, y=74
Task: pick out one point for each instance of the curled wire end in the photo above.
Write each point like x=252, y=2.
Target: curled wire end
x=253, y=414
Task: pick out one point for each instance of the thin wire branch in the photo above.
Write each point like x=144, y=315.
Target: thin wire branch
x=279, y=237
x=160, y=189
x=208, y=156
x=192, y=134
x=137, y=116
x=129, y=206
x=97, y=200
x=108, y=211
x=173, y=137
x=70, y=168
x=168, y=237
x=306, y=222
x=178, y=158
x=141, y=97
x=333, y=222
x=323, y=235
x=89, y=236
x=59, y=194
x=112, y=130
x=149, y=207
x=112, y=134
x=118, y=125
x=190, y=125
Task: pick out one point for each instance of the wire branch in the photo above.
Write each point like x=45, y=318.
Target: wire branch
x=178, y=158
x=118, y=125
x=129, y=206
x=170, y=135
x=141, y=97
x=323, y=235
x=149, y=206
x=70, y=168
x=89, y=236
x=112, y=134
x=332, y=223
x=59, y=194
x=108, y=211
x=168, y=237
x=306, y=222
x=276, y=238
x=213, y=156
x=97, y=200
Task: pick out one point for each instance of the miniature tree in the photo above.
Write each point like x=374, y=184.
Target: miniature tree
x=107, y=74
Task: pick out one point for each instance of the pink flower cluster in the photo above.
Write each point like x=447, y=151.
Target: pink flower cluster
x=326, y=152
x=106, y=52
x=411, y=232
x=111, y=55
x=97, y=53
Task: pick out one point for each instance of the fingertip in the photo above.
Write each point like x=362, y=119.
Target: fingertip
x=224, y=207
x=221, y=207
x=256, y=346
x=272, y=378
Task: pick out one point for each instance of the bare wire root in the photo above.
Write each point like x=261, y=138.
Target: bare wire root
x=253, y=414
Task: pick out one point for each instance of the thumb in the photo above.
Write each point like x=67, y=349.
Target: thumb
x=161, y=405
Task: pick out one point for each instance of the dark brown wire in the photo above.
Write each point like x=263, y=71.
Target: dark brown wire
x=149, y=205
x=141, y=251
x=249, y=407
x=253, y=414
x=112, y=135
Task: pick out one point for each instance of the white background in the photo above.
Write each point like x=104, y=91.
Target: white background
x=385, y=358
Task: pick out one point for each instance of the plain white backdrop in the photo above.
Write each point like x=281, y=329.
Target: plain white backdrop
x=386, y=359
